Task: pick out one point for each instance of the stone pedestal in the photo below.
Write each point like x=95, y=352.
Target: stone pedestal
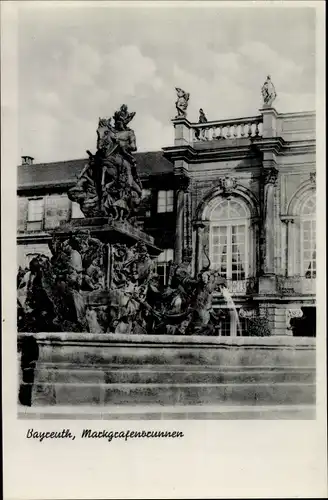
x=110, y=233
x=182, y=131
x=269, y=115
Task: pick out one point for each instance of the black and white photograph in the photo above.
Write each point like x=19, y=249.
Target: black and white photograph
x=166, y=213
x=163, y=324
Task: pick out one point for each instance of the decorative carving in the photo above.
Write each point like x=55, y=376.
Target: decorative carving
x=247, y=313
x=286, y=219
x=50, y=294
x=302, y=322
x=228, y=184
x=109, y=184
x=294, y=313
x=59, y=294
x=185, y=306
x=182, y=182
x=271, y=176
x=268, y=92
x=133, y=274
x=182, y=102
x=67, y=292
x=313, y=177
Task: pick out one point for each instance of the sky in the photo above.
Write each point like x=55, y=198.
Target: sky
x=79, y=63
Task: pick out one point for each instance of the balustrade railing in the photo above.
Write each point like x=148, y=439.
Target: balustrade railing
x=242, y=287
x=294, y=285
x=227, y=129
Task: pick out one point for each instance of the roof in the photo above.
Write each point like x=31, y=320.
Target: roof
x=65, y=172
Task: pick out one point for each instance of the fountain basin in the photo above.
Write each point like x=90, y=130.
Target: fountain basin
x=138, y=370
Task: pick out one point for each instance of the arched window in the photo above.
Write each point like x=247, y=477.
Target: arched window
x=308, y=237
x=230, y=242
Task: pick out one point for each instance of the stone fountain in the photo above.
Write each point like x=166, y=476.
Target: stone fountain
x=100, y=278
x=95, y=328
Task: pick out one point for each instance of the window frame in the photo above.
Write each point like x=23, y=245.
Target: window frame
x=165, y=264
x=311, y=218
x=168, y=203
x=229, y=224
x=40, y=221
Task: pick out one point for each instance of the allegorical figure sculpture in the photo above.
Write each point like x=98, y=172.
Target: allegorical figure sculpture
x=51, y=293
x=132, y=274
x=109, y=184
x=182, y=103
x=186, y=303
x=56, y=294
x=200, y=132
x=202, y=117
x=268, y=92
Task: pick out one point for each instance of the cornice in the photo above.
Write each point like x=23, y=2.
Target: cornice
x=276, y=145
x=37, y=186
x=28, y=237
x=269, y=144
x=193, y=155
x=181, y=121
x=300, y=147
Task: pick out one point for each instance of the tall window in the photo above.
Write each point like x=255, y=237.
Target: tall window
x=76, y=211
x=165, y=201
x=162, y=265
x=35, y=214
x=229, y=239
x=308, y=238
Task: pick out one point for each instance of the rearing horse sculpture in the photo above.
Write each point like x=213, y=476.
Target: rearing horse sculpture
x=109, y=184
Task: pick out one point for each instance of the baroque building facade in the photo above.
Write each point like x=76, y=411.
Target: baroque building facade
x=240, y=191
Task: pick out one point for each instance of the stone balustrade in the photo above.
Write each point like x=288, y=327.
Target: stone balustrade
x=227, y=129
x=241, y=287
x=296, y=285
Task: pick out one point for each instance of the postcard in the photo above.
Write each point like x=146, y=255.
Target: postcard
x=163, y=180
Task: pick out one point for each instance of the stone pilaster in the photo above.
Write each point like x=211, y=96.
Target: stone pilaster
x=202, y=241
x=255, y=231
x=181, y=187
x=187, y=219
x=179, y=226
x=267, y=283
x=288, y=245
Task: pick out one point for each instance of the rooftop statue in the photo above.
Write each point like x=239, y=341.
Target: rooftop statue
x=182, y=103
x=268, y=92
x=109, y=184
x=200, y=132
x=202, y=117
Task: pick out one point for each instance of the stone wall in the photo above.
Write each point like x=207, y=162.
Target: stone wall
x=168, y=371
